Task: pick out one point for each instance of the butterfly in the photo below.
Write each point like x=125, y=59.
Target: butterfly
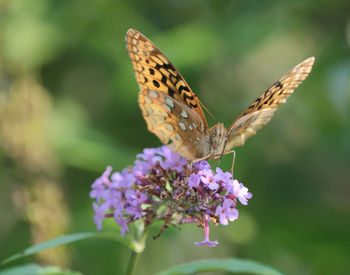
x=173, y=112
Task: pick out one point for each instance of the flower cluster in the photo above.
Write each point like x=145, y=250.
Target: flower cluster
x=161, y=178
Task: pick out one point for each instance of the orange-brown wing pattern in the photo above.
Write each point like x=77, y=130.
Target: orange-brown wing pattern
x=261, y=110
x=155, y=72
x=174, y=123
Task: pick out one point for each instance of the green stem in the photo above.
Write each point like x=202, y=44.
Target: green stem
x=134, y=257
x=136, y=252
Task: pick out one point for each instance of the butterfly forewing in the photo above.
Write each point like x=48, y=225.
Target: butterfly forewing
x=261, y=110
x=155, y=72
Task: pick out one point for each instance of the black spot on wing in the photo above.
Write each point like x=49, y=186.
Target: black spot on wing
x=164, y=78
x=186, y=96
x=174, y=80
x=185, y=88
x=257, y=101
x=190, y=98
x=165, y=66
x=270, y=97
x=279, y=84
x=171, y=92
x=156, y=84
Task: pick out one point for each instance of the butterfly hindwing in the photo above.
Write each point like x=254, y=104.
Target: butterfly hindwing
x=155, y=72
x=174, y=123
x=261, y=110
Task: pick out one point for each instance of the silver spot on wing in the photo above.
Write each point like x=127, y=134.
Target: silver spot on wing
x=182, y=126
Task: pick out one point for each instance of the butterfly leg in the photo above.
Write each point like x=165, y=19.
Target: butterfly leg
x=233, y=152
x=233, y=159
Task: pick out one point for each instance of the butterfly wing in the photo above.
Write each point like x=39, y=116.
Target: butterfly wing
x=171, y=110
x=261, y=110
x=155, y=72
x=174, y=123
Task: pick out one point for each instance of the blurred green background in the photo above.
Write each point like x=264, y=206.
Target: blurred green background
x=68, y=108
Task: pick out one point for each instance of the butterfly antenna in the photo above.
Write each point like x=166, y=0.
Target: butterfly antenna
x=205, y=109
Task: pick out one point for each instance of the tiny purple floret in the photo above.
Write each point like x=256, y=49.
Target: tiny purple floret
x=226, y=212
x=193, y=180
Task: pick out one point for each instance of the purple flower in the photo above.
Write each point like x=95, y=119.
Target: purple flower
x=113, y=198
x=201, y=165
x=240, y=191
x=123, y=224
x=222, y=176
x=118, y=210
x=134, y=198
x=134, y=211
x=174, y=161
x=141, y=168
x=130, y=196
x=98, y=189
x=209, y=179
x=207, y=241
x=140, y=197
x=152, y=155
x=165, y=151
x=226, y=212
x=100, y=184
x=122, y=180
x=148, y=154
x=158, y=180
x=105, y=175
x=99, y=215
x=193, y=180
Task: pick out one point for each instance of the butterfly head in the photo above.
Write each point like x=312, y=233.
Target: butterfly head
x=218, y=135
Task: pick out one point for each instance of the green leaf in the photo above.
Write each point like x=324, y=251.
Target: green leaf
x=73, y=238
x=34, y=269
x=229, y=265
